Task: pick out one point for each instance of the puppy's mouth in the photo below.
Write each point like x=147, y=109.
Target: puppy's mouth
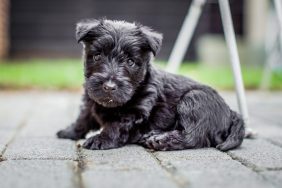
x=108, y=102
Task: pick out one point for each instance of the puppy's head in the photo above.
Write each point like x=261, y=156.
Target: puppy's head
x=117, y=56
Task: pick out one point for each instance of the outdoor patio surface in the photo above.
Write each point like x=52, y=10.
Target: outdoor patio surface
x=32, y=157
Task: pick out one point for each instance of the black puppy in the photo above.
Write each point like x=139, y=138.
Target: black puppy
x=132, y=102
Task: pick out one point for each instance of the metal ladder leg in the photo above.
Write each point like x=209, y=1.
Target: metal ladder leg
x=234, y=57
x=278, y=7
x=273, y=50
x=185, y=35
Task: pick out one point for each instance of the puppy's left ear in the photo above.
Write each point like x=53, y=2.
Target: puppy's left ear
x=154, y=39
x=83, y=29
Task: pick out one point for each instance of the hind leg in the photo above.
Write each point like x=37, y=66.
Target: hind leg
x=194, y=117
x=156, y=140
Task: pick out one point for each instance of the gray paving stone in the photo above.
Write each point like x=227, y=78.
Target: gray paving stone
x=277, y=140
x=14, y=109
x=130, y=166
x=37, y=173
x=259, y=154
x=274, y=176
x=41, y=148
x=125, y=158
x=126, y=179
x=210, y=168
x=41, y=114
x=43, y=124
x=48, y=116
x=193, y=154
x=221, y=174
x=11, y=119
x=5, y=137
x=267, y=130
x=269, y=113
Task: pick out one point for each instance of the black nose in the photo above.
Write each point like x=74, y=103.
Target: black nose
x=109, y=86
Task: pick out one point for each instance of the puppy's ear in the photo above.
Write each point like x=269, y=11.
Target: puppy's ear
x=84, y=28
x=154, y=39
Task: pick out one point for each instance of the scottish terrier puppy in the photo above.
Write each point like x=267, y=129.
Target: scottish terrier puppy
x=132, y=102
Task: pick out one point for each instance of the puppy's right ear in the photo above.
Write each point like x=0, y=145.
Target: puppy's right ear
x=84, y=28
x=154, y=39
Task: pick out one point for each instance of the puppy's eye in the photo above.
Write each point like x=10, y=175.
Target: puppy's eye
x=131, y=62
x=97, y=57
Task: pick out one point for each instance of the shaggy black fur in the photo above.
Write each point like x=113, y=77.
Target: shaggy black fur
x=135, y=103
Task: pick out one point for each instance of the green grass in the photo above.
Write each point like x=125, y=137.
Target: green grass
x=44, y=74
x=68, y=74
x=222, y=77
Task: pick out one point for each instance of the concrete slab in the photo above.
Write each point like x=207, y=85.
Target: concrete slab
x=14, y=109
x=50, y=114
x=267, y=130
x=126, y=179
x=273, y=176
x=210, y=168
x=130, y=166
x=36, y=158
x=41, y=148
x=258, y=154
x=195, y=154
x=37, y=173
x=126, y=158
x=5, y=137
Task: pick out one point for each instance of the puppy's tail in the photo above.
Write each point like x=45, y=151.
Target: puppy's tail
x=236, y=133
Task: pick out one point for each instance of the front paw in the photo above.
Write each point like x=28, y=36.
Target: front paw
x=98, y=142
x=70, y=133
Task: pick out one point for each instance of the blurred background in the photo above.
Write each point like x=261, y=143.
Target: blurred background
x=38, y=47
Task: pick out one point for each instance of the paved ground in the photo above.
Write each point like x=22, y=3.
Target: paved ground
x=31, y=156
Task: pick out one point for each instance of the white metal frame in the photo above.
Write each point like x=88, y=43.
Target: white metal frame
x=278, y=7
x=273, y=48
x=184, y=39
